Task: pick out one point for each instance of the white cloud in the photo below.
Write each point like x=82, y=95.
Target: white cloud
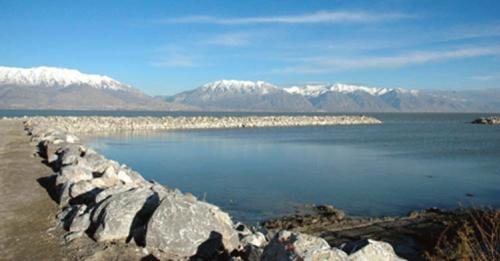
x=323, y=65
x=311, y=18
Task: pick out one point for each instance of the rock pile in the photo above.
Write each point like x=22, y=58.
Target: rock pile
x=110, y=124
x=487, y=120
x=110, y=202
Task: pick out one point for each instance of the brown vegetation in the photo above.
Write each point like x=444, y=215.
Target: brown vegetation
x=474, y=238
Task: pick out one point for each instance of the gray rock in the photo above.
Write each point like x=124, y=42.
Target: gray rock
x=87, y=190
x=74, y=173
x=72, y=236
x=180, y=224
x=127, y=175
x=64, y=195
x=256, y=239
x=97, y=162
x=111, y=191
x=252, y=253
x=371, y=250
x=80, y=223
x=69, y=154
x=50, y=151
x=116, y=217
x=288, y=245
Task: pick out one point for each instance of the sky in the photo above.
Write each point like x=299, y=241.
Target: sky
x=164, y=47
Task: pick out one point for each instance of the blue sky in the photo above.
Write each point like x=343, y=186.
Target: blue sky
x=163, y=47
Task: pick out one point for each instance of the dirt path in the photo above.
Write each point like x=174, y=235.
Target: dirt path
x=26, y=210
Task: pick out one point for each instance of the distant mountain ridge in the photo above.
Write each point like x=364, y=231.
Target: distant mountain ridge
x=60, y=88
x=236, y=95
x=261, y=96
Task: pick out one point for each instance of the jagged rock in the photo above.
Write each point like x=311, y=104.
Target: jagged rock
x=252, y=253
x=50, y=151
x=111, y=191
x=180, y=224
x=80, y=223
x=70, y=154
x=73, y=235
x=371, y=250
x=70, y=138
x=256, y=239
x=487, y=120
x=74, y=173
x=242, y=230
x=116, y=217
x=97, y=162
x=330, y=212
x=127, y=175
x=86, y=190
x=288, y=245
x=64, y=195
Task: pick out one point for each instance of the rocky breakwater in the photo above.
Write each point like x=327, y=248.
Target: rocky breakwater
x=487, y=120
x=95, y=124
x=109, y=202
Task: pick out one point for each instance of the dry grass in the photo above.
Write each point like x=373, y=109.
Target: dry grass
x=476, y=237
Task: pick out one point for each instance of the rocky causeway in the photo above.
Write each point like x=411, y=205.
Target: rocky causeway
x=487, y=120
x=105, y=210
x=109, y=124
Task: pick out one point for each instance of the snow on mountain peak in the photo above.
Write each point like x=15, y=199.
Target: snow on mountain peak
x=349, y=88
x=317, y=90
x=308, y=90
x=240, y=86
x=56, y=77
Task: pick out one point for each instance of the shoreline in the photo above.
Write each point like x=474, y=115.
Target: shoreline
x=92, y=190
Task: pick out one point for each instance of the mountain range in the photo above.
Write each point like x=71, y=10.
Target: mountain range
x=59, y=88
x=234, y=95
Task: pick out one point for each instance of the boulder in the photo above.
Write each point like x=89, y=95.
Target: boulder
x=127, y=175
x=256, y=239
x=252, y=253
x=70, y=153
x=371, y=250
x=287, y=245
x=111, y=191
x=87, y=190
x=74, y=173
x=181, y=223
x=64, y=196
x=116, y=217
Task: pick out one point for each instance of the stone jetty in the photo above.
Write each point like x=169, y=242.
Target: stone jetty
x=110, y=124
x=487, y=120
x=109, y=202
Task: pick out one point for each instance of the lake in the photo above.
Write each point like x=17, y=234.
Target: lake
x=411, y=161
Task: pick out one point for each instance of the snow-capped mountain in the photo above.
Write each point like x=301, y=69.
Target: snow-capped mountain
x=261, y=96
x=259, y=87
x=317, y=90
x=60, y=88
x=56, y=77
x=242, y=96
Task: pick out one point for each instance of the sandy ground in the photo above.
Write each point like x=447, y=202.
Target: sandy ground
x=27, y=213
x=26, y=210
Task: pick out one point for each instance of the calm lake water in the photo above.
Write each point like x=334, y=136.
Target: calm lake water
x=411, y=161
